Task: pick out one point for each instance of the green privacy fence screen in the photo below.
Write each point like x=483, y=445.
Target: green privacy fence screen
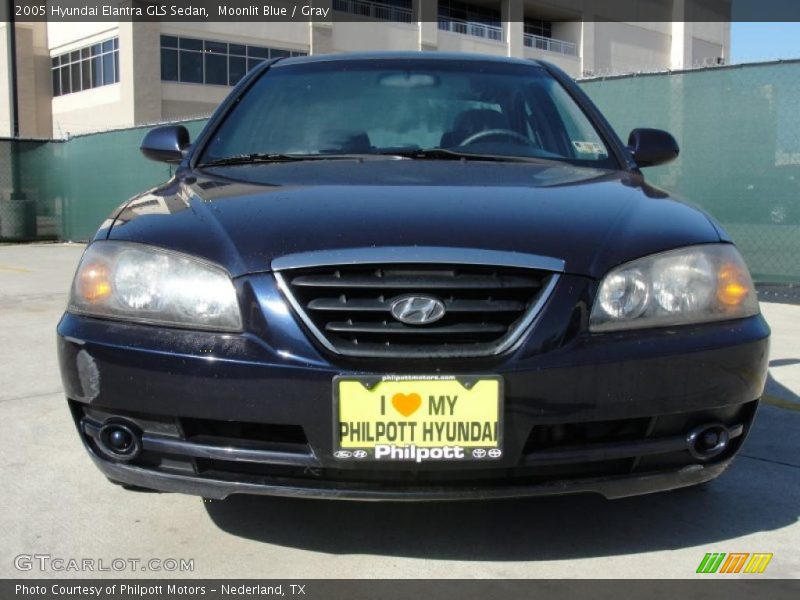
x=739, y=132
x=64, y=189
x=738, y=127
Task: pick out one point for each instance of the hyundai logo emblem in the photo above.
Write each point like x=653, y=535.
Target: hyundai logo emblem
x=418, y=310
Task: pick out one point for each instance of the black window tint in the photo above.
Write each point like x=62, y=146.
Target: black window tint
x=97, y=71
x=257, y=52
x=56, y=60
x=116, y=66
x=74, y=56
x=169, y=41
x=116, y=43
x=76, y=77
x=191, y=44
x=191, y=65
x=108, y=69
x=253, y=62
x=217, y=47
x=86, y=74
x=108, y=46
x=238, y=49
x=274, y=53
x=169, y=64
x=66, y=82
x=216, y=69
x=84, y=53
x=56, y=82
x=97, y=49
x=237, y=67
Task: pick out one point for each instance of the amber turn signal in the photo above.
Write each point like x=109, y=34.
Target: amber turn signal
x=733, y=285
x=93, y=282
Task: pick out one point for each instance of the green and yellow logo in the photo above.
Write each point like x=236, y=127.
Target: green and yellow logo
x=734, y=562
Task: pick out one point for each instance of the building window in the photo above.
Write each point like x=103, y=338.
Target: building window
x=463, y=11
x=468, y=19
x=539, y=27
x=400, y=11
x=86, y=68
x=189, y=60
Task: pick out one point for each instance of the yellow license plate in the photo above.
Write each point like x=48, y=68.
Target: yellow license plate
x=396, y=418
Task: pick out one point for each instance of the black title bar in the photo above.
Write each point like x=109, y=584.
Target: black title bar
x=708, y=587
x=330, y=11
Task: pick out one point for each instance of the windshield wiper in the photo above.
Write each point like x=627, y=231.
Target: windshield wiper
x=255, y=158
x=417, y=154
x=448, y=154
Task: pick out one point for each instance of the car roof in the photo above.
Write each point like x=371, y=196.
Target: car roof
x=420, y=55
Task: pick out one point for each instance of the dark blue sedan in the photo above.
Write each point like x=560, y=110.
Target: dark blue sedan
x=411, y=277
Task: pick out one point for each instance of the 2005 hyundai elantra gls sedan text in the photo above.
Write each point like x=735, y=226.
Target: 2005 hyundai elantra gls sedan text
x=416, y=277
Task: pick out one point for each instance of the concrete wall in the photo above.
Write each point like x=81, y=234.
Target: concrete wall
x=570, y=64
x=91, y=110
x=42, y=83
x=186, y=100
x=33, y=81
x=455, y=42
x=706, y=53
x=628, y=47
x=63, y=37
x=354, y=37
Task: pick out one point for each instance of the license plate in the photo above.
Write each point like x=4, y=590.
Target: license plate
x=417, y=419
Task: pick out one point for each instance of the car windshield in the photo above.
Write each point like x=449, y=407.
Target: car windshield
x=415, y=108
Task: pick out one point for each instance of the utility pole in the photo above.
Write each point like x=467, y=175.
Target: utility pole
x=17, y=213
x=11, y=39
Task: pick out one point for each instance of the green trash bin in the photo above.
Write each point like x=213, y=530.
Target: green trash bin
x=17, y=219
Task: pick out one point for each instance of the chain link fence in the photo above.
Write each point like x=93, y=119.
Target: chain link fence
x=64, y=189
x=738, y=127
x=28, y=197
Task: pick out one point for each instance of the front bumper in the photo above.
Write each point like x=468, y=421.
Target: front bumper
x=221, y=414
x=609, y=487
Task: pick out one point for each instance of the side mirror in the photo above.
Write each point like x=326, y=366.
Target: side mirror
x=166, y=144
x=651, y=147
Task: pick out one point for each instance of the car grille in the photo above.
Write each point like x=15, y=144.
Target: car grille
x=349, y=308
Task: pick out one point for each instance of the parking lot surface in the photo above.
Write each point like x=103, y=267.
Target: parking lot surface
x=56, y=503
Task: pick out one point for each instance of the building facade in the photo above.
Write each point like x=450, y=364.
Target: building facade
x=74, y=78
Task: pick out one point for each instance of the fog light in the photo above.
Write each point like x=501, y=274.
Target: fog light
x=709, y=439
x=119, y=440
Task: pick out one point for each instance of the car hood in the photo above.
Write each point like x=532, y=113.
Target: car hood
x=243, y=217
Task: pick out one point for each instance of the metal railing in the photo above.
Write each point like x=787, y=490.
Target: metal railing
x=550, y=44
x=482, y=30
x=374, y=10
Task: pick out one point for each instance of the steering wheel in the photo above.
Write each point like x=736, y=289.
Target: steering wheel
x=475, y=137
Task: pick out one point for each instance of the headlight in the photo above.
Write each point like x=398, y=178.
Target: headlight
x=689, y=285
x=134, y=282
